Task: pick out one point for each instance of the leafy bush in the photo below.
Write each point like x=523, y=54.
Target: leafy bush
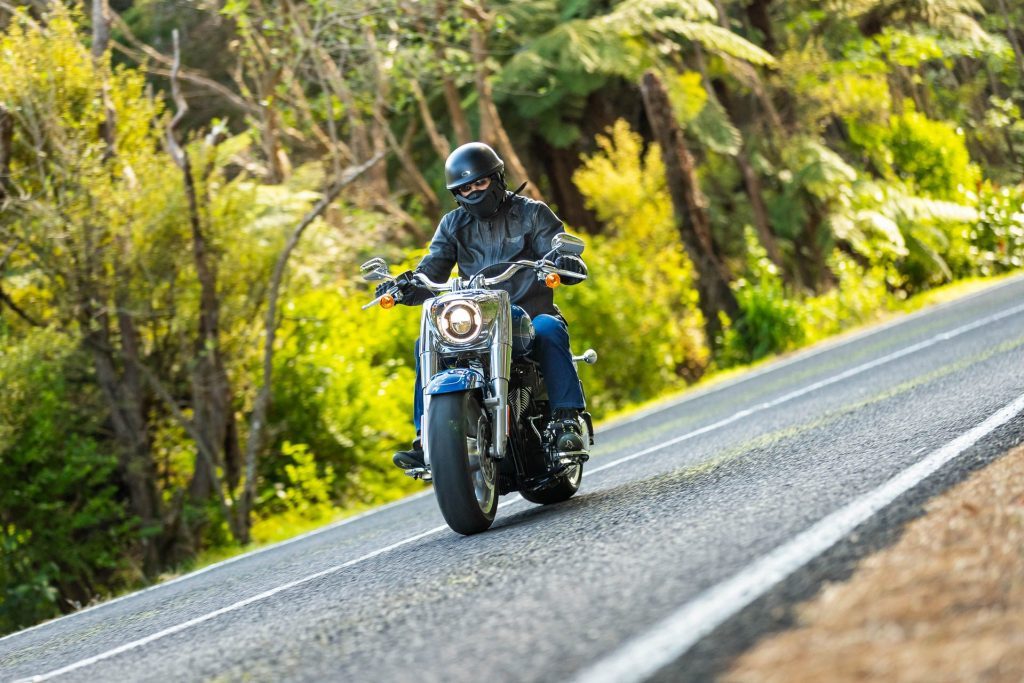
x=64, y=532
x=639, y=307
x=770, y=317
x=343, y=390
x=931, y=155
x=997, y=239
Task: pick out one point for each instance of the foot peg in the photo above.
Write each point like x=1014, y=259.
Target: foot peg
x=420, y=473
x=589, y=357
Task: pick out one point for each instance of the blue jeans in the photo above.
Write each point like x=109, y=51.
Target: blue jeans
x=551, y=350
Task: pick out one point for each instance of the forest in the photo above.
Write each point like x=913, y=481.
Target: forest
x=188, y=187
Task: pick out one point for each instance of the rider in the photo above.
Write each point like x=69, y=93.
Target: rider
x=489, y=226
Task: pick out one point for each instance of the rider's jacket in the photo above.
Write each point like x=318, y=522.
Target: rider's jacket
x=521, y=229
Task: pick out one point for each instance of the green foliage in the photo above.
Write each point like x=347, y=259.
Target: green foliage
x=645, y=348
x=343, y=389
x=996, y=241
x=770, y=316
x=931, y=156
x=775, y=319
x=64, y=533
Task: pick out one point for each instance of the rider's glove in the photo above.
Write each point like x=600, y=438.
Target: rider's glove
x=408, y=289
x=573, y=264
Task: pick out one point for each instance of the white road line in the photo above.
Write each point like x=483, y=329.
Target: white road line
x=737, y=416
x=216, y=565
x=824, y=346
x=224, y=610
x=945, y=336
x=613, y=424
x=669, y=639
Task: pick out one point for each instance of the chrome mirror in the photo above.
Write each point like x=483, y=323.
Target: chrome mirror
x=375, y=269
x=565, y=243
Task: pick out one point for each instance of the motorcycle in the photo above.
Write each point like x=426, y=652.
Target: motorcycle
x=486, y=428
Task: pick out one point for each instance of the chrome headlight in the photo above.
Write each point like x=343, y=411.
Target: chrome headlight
x=460, y=321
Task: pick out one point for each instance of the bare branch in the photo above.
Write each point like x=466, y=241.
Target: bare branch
x=139, y=50
x=257, y=421
x=100, y=28
x=177, y=153
x=6, y=299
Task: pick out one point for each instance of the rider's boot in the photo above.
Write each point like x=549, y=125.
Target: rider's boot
x=566, y=434
x=412, y=458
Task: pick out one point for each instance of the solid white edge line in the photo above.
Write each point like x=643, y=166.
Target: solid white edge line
x=669, y=639
x=224, y=610
x=703, y=430
x=612, y=424
x=799, y=355
x=847, y=374
x=222, y=563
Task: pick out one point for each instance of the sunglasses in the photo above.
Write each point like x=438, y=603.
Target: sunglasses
x=481, y=184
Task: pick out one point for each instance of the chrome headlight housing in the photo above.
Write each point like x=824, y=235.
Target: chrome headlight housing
x=460, y=321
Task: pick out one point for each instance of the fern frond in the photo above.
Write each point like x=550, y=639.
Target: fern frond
x=637, y=12
x=713, y=37
x=713, y=129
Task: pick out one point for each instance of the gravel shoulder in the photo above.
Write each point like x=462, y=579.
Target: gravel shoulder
x=944, y=603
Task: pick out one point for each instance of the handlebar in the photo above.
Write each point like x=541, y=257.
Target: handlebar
x=542, y=267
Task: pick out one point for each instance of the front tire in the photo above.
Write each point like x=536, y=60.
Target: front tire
x=465, y=477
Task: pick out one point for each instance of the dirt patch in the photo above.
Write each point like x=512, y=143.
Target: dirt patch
x=945, y=603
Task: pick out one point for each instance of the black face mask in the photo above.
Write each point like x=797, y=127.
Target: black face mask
x=483, y=203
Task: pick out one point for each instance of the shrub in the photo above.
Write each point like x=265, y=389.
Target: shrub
x=639, y=307
x=64, y=532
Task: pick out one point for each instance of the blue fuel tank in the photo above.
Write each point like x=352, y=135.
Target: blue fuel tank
x=522, y=332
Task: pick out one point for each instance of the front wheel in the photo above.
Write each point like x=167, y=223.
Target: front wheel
x=465, y=477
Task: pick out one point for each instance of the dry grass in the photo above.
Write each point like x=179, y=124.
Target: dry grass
x=945, y=603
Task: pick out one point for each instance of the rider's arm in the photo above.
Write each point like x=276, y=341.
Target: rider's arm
x=437, y=264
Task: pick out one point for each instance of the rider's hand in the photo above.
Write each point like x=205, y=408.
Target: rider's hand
x=406, y=284
x=573, y=264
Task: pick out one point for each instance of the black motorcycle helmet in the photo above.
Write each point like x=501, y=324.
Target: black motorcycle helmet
x=473, y=161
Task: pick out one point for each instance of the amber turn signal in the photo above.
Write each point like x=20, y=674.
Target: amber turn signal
x=387, y=301
x=553, y=280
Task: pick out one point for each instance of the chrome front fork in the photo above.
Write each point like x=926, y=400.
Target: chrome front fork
x=501, y=371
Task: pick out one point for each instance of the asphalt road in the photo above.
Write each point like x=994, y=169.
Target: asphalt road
x=675, y=536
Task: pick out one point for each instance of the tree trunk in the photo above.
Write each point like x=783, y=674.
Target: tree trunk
x=751, y=183
x=127, y=416
x=437, y=140
x=692, y=220
x=560, y=164
x=460, y=125
x=757, y=13
x=1012, y=36
x=6, y=152
x=492, y=130
x=211, y=400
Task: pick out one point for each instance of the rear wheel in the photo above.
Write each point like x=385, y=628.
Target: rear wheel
x=564, y=489
x=465, y=477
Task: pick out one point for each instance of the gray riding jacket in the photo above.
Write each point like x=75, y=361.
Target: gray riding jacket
x=522, y=229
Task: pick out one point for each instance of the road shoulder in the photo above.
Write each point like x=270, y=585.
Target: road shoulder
x=944, y=602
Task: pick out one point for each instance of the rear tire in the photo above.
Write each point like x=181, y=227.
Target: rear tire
x=565, y=489
x=465, y=477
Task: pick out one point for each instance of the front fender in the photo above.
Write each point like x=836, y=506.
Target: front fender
x=454, y=379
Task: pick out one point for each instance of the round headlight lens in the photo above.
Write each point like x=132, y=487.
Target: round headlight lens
x=460, y=322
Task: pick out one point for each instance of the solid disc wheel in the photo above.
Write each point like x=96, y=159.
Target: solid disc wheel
x=565, y=489
x=465, y=477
